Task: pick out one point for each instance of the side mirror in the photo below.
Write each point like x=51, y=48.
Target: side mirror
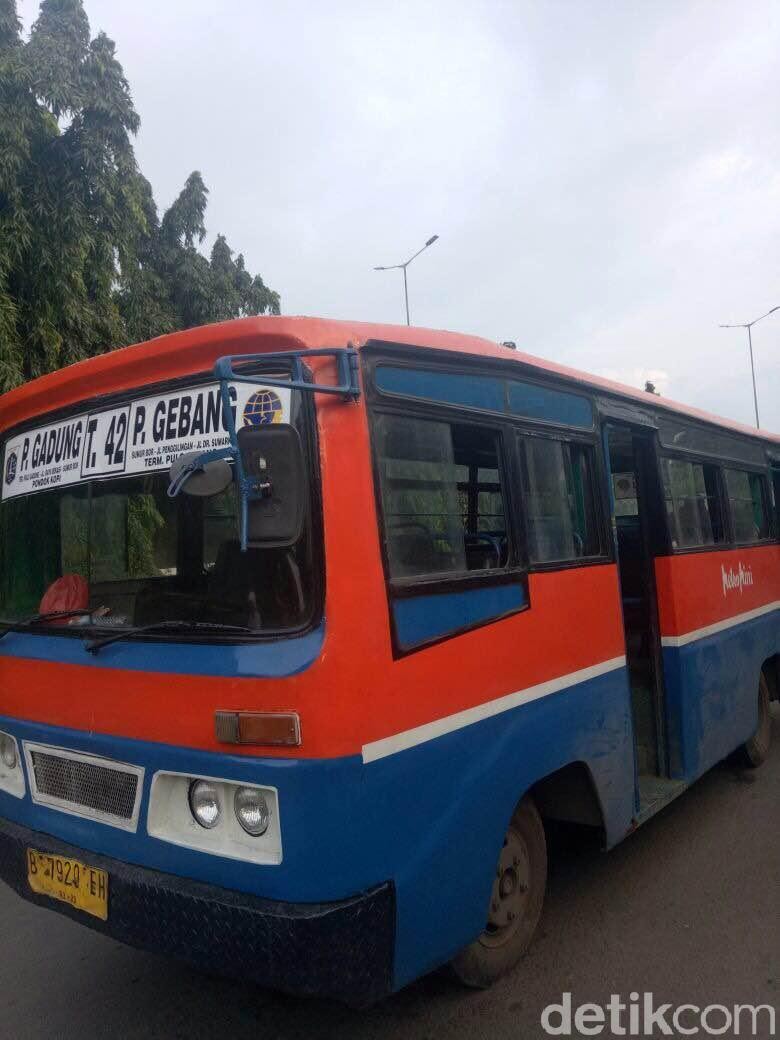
x=190, y=474
x=272, y=459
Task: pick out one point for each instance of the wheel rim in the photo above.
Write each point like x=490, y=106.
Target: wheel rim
x=511, y=891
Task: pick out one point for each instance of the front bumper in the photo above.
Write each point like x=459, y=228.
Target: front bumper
x=342, y=950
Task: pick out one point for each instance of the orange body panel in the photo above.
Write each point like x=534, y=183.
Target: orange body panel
x=692, y=593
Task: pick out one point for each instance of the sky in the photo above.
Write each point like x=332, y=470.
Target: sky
x=604, y=178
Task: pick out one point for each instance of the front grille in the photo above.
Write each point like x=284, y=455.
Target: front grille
x=83, y=785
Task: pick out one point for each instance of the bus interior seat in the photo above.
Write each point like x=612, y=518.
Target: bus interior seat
x=159, y=602
x=259, y=586
x=413, y=547
x=485, y=551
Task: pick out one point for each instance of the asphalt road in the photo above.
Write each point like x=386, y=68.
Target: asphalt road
x=688, y=908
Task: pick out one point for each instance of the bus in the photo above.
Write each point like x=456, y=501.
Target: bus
x=311, y=631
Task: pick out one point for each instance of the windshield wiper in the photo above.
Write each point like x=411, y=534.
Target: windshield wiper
x=10, y=626
x=165, y=626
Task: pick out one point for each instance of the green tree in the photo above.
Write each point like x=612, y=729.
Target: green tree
x=85, y=262
x=171, y=285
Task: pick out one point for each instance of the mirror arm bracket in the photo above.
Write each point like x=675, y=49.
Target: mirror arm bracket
x=251, y=488
x=347, y=387
x=346, y=358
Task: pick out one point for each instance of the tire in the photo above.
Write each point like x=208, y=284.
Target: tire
x=515, y=902
x=754, y=751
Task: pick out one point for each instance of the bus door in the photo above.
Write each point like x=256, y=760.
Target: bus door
x=638, y=527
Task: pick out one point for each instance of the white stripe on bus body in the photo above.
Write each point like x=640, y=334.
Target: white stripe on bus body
x=719, y=626
x=450, y=723
x=439, y=727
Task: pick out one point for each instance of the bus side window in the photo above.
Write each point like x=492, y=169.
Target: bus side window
x=748, y=500
x=693, y=504
x=442, y=497
x=559, y=492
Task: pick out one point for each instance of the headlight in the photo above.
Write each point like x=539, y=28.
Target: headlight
x=204, y=803
x=252, y=810
x=11, y=775
x=8, y=751
x=233, y=818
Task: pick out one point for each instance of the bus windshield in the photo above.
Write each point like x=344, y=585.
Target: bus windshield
x=146, y=558
x=118, y=547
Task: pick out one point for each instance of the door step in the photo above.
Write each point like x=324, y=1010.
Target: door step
x=655, y=792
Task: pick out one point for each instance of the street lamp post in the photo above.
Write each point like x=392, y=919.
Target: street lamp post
x=749, y=325
x=402, y=267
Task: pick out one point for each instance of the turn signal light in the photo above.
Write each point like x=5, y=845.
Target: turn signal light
x=272, y=729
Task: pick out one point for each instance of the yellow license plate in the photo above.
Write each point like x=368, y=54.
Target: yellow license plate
x=69, y=880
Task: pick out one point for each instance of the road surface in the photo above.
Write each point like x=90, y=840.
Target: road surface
x=688, y=908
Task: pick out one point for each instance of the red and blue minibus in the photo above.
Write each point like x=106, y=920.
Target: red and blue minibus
x=310, y=629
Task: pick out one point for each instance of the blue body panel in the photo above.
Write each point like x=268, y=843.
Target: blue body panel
x=431, y=818
x=490, y=393
x=421, y=618
x=548, y=405
x=473, y=391
x=271, y=660
x=712, y=693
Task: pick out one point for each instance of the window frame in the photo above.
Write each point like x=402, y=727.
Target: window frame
x=510, y=428
x=720, y=465
x=405, y=355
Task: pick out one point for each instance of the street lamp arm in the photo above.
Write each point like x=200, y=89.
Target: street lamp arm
x=750, y=324
x=430, y=242
x=402, y=267
x=766, y=315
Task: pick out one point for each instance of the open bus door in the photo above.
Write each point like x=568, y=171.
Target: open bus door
x=639, y=532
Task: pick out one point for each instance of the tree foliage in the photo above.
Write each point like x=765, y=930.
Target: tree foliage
x=86, y=264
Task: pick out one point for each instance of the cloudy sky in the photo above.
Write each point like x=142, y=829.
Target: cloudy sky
x=605, y=178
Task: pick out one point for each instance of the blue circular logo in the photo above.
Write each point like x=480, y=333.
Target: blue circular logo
x=262, y=408
x=10, y=468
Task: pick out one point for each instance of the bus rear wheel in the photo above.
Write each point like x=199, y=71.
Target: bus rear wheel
x=515, y=902
x=755, y=750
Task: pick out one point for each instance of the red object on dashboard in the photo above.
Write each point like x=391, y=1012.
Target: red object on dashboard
x=70, y=592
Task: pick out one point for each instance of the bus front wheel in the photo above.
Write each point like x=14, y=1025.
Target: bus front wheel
x=515, y=902
x=755, y=750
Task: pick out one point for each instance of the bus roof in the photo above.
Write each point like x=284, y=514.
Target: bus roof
x=180, y=354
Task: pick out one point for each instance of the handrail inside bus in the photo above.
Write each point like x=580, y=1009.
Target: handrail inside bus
x=231, y=369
